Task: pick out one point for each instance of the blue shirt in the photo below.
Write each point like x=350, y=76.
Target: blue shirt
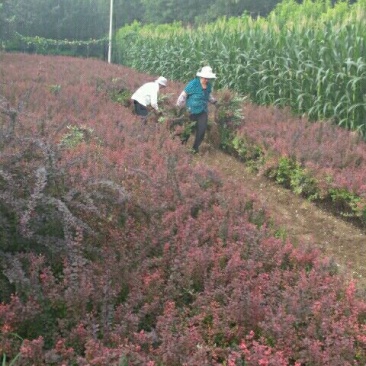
x=197, y=97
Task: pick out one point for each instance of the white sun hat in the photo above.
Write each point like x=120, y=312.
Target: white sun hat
x=162, y=81
x=206, y=72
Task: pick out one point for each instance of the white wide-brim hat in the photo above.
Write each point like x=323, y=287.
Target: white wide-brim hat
x=206, y=72
x=162, y=81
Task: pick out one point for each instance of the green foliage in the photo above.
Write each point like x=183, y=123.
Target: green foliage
x=123, y=361
x=251, y=154
x=188, y=130
x=117, y=89
x=307, y=56
x=67, y=19
x=281, y=233
x=122, y=96
x=228, y=116
x=55, y=89
x=290, y=174
x=346, y=202
x=12, y=362
x=77, y=135
x=41, y=45
x=230, y=108
x=290, y=10
x=81, y=19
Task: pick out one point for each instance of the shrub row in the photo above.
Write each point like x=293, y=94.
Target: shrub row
x=317, y=160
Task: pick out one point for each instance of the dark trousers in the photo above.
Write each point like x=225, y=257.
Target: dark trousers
x=140, y=109
x=201, y=127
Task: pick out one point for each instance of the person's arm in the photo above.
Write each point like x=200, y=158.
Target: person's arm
x=154, y=97
x=181, y=101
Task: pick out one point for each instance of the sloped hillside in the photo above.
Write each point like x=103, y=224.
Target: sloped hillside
x=303, y=222
x=119, y=247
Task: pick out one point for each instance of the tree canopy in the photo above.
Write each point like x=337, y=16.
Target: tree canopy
x=89, y=19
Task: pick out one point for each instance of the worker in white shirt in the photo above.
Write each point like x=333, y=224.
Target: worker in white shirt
x=147, y=95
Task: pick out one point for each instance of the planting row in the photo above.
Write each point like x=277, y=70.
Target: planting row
x=317, y=160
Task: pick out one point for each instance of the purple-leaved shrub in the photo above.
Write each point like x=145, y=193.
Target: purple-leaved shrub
x=118, y=249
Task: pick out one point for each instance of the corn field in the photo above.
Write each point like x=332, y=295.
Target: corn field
x=310, y=57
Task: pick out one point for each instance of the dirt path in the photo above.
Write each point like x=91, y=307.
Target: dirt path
x=303, y=221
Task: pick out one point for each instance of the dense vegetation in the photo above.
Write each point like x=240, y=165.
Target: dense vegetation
x=310, y=57
x=119, y=248
x=81, y=20
x=81, y=27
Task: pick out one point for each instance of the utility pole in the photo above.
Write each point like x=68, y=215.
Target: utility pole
x=110, y=32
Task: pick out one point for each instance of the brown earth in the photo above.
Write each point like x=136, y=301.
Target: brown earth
x=303, y=222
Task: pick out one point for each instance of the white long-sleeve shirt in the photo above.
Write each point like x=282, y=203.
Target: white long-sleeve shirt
x=147, y=94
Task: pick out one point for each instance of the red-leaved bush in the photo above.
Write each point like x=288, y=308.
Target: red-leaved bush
x=118, y=248
x=335, y=157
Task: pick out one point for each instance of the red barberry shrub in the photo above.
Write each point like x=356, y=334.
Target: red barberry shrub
x=119, y=248
x=323, y=147
x=328, y=161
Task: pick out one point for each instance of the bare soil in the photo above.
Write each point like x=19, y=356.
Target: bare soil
x=303, y=222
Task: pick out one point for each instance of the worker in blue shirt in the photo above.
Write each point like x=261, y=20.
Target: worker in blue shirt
x=196, y=96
